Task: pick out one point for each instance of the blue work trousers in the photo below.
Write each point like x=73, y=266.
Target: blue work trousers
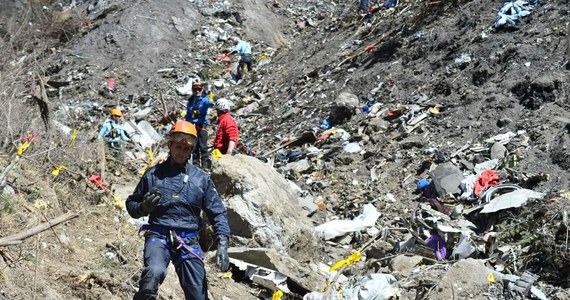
x=363, y=5
x=200, y=155
x=190, y=269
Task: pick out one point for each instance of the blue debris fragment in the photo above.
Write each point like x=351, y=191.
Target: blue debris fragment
x=513, y=10
x=390, y=3
x=326, y=124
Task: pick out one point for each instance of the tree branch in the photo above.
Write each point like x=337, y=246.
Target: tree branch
x=19, y=237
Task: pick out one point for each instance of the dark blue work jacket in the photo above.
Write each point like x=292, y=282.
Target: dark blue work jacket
x=185, y=191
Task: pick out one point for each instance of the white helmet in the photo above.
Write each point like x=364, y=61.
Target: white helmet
x=223, y=104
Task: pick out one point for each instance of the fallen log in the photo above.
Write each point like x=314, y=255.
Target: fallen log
x=305, y=138
x=19, y=237
x=4, y=173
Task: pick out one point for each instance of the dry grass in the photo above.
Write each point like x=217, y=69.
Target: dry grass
x=31, y=37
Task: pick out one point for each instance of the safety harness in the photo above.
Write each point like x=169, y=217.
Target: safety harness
x=113, y=133
x=173, y=238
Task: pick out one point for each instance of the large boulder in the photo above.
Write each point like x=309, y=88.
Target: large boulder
x=262, y=206
x=343, y=108
x=466, y=279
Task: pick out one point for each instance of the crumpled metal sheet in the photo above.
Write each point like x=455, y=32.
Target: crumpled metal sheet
x=513, y=199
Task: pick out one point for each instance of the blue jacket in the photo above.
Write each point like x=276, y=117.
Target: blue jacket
x=242, y=47
x=106, y=132
x=197, y=110
x=185, y=192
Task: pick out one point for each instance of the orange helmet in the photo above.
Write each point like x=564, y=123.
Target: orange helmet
x=197, y=85
x=116, y=112
x=183, y=131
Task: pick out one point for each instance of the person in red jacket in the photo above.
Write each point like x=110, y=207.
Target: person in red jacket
x=227, y=133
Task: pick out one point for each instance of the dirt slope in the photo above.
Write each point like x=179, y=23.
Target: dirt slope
x=488, y=81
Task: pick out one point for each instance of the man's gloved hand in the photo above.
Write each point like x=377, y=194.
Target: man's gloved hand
x=151, y=201
x=222, y=258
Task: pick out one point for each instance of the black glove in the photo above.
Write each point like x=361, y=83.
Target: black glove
x=151, y=201
x=222, y=258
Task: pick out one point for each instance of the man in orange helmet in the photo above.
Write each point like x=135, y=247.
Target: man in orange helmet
x=112, y=132
x=173, y=194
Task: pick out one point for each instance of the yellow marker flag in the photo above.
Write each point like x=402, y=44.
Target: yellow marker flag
x=73, y=137
x=491, y=278
x=277, y=295
x=56, y=171
x=211, y=96
x=148, y=162
x=349, y=261
x=118, y=202
x=217, y=154
x=227, y=275
x=150, y=155
x=183, y=114
x=23, y=148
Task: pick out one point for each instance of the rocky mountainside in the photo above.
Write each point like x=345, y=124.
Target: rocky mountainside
x=393, y=108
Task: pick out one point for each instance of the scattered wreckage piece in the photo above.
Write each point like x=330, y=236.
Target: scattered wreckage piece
x=274, y=270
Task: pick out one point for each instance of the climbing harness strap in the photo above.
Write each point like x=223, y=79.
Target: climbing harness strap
x=166, y=232
x=173, y=238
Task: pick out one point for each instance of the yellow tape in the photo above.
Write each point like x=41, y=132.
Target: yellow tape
x=262, y=57
x=349, y=261
x=73, y=137
x=23, y=148
x=227, y=275
x=150, y=155
x=183, y=114
x=211, y=96
x=148, y=162
x=277, y=295
x=56, y=171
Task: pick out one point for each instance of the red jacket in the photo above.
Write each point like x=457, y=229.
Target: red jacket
x=227, y=131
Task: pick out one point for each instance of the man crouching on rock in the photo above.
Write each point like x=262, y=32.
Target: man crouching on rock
x=173, y=193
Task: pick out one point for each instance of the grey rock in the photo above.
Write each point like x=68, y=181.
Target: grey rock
x=262, y=205
x=498, y=151
x=298, y=167
x=347, y=99
x=379, y=249
x=467, y=278
x=404, y=264
x=447, y=178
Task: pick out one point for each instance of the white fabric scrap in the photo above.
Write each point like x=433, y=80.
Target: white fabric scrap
x=334, y=228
